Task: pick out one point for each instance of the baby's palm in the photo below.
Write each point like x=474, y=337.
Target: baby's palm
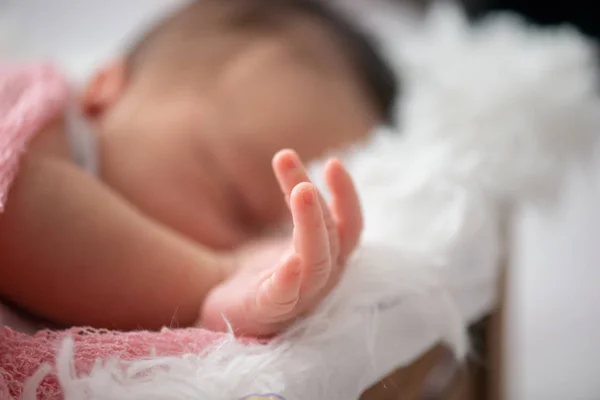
x=277, y=280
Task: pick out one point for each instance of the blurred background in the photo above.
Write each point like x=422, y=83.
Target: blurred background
x=553, y=290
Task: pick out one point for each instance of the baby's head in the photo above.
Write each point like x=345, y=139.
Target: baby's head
x=192, y=115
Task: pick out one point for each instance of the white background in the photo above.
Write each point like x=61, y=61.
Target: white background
x=554, y=298
x=554, y=282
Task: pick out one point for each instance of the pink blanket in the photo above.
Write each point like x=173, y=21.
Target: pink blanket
x=29, y=98
x=21, y=355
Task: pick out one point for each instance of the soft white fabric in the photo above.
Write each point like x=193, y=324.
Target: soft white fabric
x=490, y=118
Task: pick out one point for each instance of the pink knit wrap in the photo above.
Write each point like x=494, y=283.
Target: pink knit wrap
x=29, y=98
x=21, y=355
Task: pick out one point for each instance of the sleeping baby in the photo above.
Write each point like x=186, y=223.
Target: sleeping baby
x=148, y=200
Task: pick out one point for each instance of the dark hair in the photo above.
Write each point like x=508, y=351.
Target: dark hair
x=362, y=51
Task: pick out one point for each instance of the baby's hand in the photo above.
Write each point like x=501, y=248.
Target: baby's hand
x=278, y=281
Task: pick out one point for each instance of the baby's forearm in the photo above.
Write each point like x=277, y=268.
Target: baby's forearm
x=75, y=253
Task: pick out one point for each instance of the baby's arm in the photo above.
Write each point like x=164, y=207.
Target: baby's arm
x=75, y=253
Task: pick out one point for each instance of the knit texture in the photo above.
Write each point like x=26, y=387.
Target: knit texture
x=22, y=355
x=29, y=97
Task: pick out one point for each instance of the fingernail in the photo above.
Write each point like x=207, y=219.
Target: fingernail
x=309, y=196
x=289, y=163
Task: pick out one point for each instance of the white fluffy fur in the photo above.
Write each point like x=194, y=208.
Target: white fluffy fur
x=490, y=118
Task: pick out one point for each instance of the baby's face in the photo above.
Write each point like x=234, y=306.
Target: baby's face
x=194, y=152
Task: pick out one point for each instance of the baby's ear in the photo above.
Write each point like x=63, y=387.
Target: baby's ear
x=104, y=89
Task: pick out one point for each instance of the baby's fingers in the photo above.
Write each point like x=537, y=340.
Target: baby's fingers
x=345, y=207
x=290, y=172
x=311, y=239
x=278, y=295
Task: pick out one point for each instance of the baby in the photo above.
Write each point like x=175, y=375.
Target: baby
x=163, y=218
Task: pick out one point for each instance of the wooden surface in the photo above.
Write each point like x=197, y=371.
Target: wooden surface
x=479, y=378
x=411, y=383
x=496, y=346
x=435, y=376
